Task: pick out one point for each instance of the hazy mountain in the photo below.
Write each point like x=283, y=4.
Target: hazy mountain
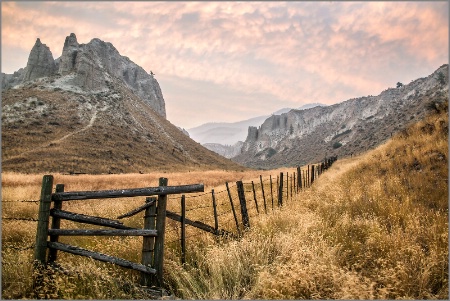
x=93, y=111
x=302, y=136
x=229, y=133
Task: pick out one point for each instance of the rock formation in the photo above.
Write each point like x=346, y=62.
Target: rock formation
x=91, y=67
x=356, y=125
x=40, y=62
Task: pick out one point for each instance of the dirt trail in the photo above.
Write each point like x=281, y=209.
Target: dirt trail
x=91, y=122
x=89, y=125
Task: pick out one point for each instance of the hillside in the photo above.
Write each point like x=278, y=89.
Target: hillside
x=226, y=133
x=85, y=113
x=225, y=138
x=350, y=127
x=373, y=226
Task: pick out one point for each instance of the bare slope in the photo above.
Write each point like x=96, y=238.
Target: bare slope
x=350, y=127
x=49, y=129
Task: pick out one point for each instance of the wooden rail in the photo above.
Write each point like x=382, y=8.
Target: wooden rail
x=153, y=232
x=122, y=193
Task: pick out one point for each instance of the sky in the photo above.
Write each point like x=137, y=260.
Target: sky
x=231, y=61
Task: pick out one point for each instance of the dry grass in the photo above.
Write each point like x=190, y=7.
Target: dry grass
x=372, y=227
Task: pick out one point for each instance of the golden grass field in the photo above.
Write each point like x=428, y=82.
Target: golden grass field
x=373, y=226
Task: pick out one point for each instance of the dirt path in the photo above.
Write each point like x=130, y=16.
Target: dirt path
x=89, y=125
x=91, y=122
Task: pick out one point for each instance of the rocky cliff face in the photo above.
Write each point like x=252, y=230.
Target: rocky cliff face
x=89, y=67
x=356, y=125
x=227, y=151
x=40, y=62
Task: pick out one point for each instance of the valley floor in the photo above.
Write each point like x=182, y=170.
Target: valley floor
x=371, y=227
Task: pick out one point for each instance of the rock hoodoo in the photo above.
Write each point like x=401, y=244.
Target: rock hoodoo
x=93, y=67
x=40, y=62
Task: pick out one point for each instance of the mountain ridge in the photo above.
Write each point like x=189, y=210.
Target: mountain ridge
x=89, y=117
x=355, y=125
x=229, y=133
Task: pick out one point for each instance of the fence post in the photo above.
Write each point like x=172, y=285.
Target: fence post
x=280, y=191
x=254, y=197
x=308, y=179
x=287, y=186
x=299, y=178
x=232, y=208
x=216, y=221
x=56, y=223
x=291, y=184
x=271, y=191
x=160, y=228
x=241, y=194
x=264, y=197
x=294, y=184
x=148, y=243
x=40, y=248
x=183, y=229
x=312, y=174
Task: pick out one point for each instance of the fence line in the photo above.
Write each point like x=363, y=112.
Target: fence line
x=227, y=213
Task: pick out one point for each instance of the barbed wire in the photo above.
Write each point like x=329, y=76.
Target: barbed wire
x=20, y=201
x=196, y=196
x=199, y=207
x=28, y=219
x=17, y=248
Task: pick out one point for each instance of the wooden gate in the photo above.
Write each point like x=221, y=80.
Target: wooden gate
x=151, y=266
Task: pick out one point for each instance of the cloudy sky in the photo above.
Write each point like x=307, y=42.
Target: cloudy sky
x=230, y=61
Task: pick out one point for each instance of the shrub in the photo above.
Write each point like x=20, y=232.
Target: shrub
x=337, y=145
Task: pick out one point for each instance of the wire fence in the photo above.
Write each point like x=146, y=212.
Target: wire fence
x=217, y=212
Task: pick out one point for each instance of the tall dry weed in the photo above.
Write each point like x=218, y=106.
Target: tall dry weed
x=371, y=227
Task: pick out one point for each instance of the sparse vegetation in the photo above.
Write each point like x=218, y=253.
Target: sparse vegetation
x=342, y=134
x=337, y=145
x=441, y=78
x=372, y=227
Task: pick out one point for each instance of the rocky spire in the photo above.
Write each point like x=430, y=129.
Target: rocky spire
x=69, y=54
x=40, y=62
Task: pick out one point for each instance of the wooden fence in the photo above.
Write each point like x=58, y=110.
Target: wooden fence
x=223, y=216
x=151, y=266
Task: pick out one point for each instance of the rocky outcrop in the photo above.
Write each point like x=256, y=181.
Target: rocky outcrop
x=227, y=151
x=356, y=125
x=96, y=62
x=11, y=80
x=40, y=62
x=91, y=67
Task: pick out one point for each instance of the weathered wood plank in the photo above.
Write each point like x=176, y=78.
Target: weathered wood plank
x=254, y=197
x=148, y=243
x=243, y=203
x=216, y=221
x=40, y=249
x=280, y=191
x=137, y=210
x=161, y=228
x=88, y=219
x=101, y=257
x=102, y=232
x=196, y=224
x=56, y=223
x=183, y=229
x=199, y=225
x=264, y=196
x=232, y=208
x=120, y=193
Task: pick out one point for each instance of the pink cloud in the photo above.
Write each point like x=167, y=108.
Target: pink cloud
x=291, y=51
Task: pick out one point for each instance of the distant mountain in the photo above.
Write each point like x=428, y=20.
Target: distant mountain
x=92, y=111
x=300, y=137
x=229, y=133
